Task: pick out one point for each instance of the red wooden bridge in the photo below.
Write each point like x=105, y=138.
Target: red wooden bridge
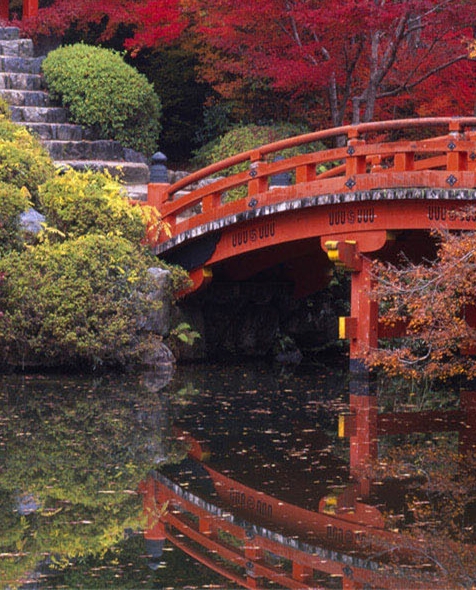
x=381, y=190
x=381, y=193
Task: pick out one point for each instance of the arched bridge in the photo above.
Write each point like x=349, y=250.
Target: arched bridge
x=379, y=194
x=389, y=182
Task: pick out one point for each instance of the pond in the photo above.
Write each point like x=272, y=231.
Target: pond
x=264, y=495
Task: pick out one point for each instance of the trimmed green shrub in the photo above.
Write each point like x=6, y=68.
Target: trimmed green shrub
x=79, y=301
x=242, y=139
x=13, y=202
x=77, y=203
x=23, y=160
x=103, y=92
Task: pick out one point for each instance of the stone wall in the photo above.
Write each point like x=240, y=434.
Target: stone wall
x=258, y=320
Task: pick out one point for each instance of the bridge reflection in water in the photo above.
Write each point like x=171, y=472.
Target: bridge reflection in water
x=373, y=198
x=298, y=526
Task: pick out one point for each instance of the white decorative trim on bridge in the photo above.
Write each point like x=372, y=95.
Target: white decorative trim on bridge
x=396, y=194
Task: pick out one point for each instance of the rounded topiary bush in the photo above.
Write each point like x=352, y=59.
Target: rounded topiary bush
x=78, y=203
x=103, y=92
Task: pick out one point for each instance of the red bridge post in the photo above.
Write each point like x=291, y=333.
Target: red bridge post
x=30, y=9
x=361, y=329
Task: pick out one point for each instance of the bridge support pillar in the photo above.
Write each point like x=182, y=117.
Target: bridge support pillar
x=361, y=329
x=302, y=573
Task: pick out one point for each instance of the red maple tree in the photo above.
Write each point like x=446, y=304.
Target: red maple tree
x=333, y=63
x=151, y=22
x=353, y=55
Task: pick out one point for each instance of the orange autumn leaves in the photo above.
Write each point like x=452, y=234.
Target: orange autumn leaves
x=436, y=302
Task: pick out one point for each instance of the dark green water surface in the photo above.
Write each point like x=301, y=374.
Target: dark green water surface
x=73, y=450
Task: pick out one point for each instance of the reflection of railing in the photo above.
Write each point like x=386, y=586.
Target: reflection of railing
x=461, y=421
x=245, y=552
x=446, y=162
x=206, y=531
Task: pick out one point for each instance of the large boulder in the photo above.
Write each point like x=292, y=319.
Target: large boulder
x=159, y=321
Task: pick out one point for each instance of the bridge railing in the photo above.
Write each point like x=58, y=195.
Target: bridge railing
x=445, y=158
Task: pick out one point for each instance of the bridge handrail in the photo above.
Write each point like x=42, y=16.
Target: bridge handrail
x=455, y=124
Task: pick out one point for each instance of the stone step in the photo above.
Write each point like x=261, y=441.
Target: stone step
x=59, y=131
x=24, y=65
x=18, y=81
x=21, y=85
x=39, y=114
x=26, y=98
x=102, y=149
x=17, y=47
x=131, y=173
x=9, y=33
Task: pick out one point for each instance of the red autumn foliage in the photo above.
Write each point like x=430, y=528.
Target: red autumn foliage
x=355, y=55
x=332, y=63
x=153, y=22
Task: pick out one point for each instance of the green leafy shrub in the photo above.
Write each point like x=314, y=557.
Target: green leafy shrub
x=247, y=137
x=23, y=160
x=13, y=202
x=5, y=108
x=77, y=203
x=244, y=138
x=79, y=301
x=103, y=92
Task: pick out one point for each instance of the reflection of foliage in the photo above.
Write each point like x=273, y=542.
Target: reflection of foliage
x=440, y=505
x=80, y=453
x=416, y=393
x=114, y=570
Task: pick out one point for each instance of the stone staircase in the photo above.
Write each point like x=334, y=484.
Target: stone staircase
x=21, y=85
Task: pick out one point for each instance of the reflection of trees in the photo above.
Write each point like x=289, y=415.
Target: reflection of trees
x=124, y=566
x=439, y=505
x=72, y=456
